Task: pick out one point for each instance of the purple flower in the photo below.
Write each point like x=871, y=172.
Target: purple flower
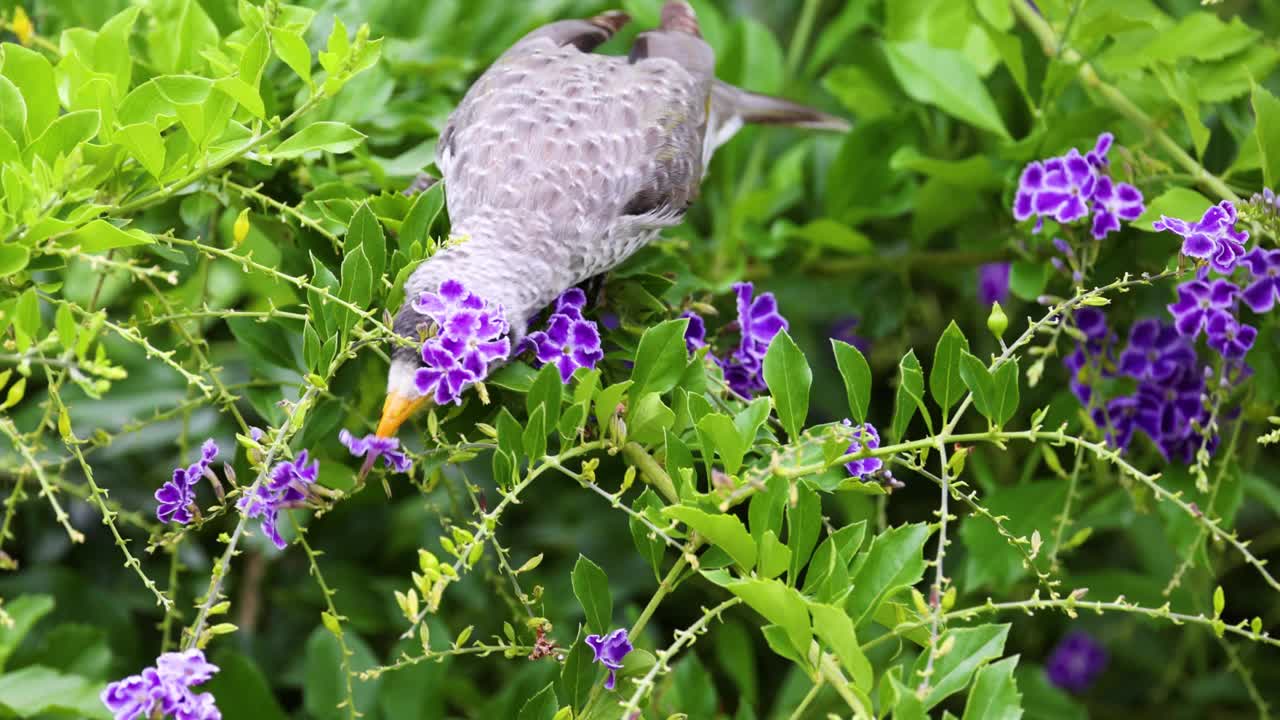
x=1117, y=420
x=1067, y=187
x=1097, y=157
x=695, y=334
x=993, y=283
x=864, y=434
x=1091, y=358
x=570, y=303
x=166, y=687
x=759, y=322
x=1262, y=293
x=1230, y=338
x=846, y=330
x=372, y=445
x=568, y=343
x=1113, y=202
x=758, y=319
x=1029, y=185
x=1199, y=301
x=609, y=652
x=1156, y=351
x=472, y=337
x=175, y=497
x=285, y=486
x=1213, y=237
x=1076, y=662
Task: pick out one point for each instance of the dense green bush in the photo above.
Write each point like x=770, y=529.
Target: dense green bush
x=202, y=233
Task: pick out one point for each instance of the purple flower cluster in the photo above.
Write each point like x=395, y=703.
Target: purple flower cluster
x=167, y=687
x=176, y=496
x=1169, y=402
x=609, y=651
x=1070, y=187
x=284, y=487
x=569, y=340
x=388, y=448
x=758, y=322
x=1076, y=662
x=695, y=334
x=471, y=336
x=1213, y=237
x=864, y=435
x=846, y=331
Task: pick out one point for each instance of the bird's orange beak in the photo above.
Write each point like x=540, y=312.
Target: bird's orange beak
x=396, y=410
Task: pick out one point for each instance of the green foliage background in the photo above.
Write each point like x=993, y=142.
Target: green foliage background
x=135, y=324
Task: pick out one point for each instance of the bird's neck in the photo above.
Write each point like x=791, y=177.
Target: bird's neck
x=506, y=257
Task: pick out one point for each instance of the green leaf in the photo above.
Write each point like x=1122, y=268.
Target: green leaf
x=243, y=93
x=947, y=79
x=804, y=522
x=857, y=378
x=995, y=693
x=535, y=434
x=784, y=606
x=427, y=206
x=944, y=377
x=1267, y=131
x=651, y=548
x=323, y=681
x=33, y=75
x=1005, y=385
x=13, y=110
x=365, y=232
x=1027, y=280
x=180, y=33
x=894, y=561
x=13, y=258
x=65, y=134
x=607, y=401
x=333, y=137
x=660, y=358
x=101, y=235
x=724, y=531
x=1177, y=202
x=291, y=48
x=720, y=435
x=38, y=691
x=262, y=341
x=775, y=557
x=910, y=395
x=835, y=629
x=542, y=706
x=545, y=393
x=25, y=611
x=591, y=586
x=1199, y=35
x=973, y=647
x=1180, y=88
x=979, y=381
x=241, y=690
x=357, y=280
x=649, y=419
x=578, y=673
x=787, y=373
x=111, y=52
x=144, y=143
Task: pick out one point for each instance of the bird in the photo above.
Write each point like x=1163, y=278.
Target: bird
x=559, y=163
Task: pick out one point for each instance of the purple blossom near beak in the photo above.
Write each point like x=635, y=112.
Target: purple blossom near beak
x=285, y=486
x=175, y=497
x=1113, y=202
x=695, y=334
x=472, y=337
x=167, y=687
x=609, y=651
x=387, y=448
x=1261, y=295
x=1155, y=352
x=1213, y=237
x=568, y=343
x=863, y=435
x=571, y=302
x=1076, y=662
x=1199, y=301
x=993, y=283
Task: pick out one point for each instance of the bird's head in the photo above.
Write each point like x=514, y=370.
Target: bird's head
x=494, y=272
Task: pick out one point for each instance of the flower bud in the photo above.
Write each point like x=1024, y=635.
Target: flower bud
x=997, y=321
x=240, y=230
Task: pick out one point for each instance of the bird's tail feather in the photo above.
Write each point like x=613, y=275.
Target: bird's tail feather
x=753, y=107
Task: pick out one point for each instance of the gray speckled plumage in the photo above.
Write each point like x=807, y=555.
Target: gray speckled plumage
x=559, y=164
